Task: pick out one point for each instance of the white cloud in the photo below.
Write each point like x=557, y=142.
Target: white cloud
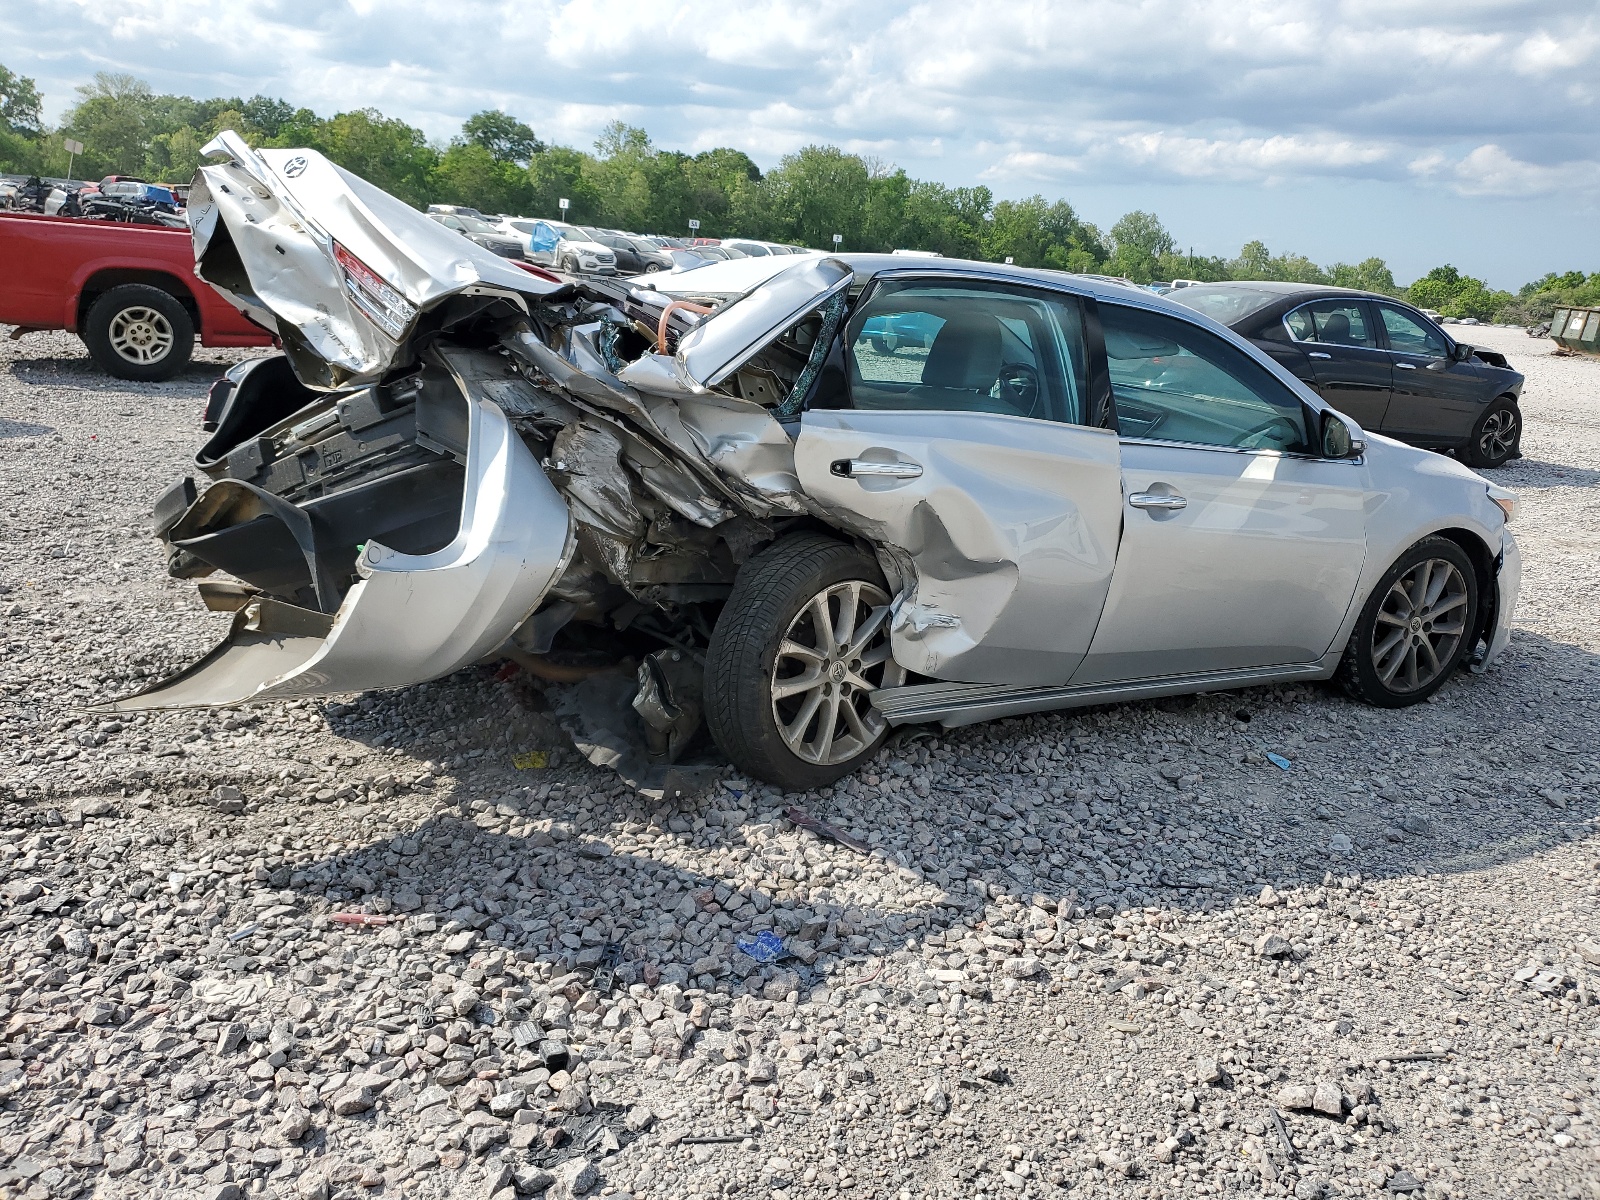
x=1469, y=98
x=1490, y=171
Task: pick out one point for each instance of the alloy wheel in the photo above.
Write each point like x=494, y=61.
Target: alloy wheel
x=141, y=335
x=1498, y=437
x=831, y=659
x=1419, y=626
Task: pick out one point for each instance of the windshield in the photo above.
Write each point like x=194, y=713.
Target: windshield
x=477, y=225
x=1223, y=303
x=572, y=235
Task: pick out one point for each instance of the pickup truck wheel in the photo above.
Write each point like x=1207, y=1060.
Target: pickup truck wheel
x=139, y=332
x=801, y=645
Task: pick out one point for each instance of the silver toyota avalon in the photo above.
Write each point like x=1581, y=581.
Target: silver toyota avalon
x=787, y=502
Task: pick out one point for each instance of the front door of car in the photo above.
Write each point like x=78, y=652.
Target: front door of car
x=1349, y=364
x=1436, y=399
x=1239, y=549
x=972, y=454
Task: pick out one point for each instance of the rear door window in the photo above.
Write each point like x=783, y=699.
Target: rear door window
x=1333, y=323
x=973, y=347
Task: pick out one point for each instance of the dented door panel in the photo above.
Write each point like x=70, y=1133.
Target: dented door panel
x=1011, y=527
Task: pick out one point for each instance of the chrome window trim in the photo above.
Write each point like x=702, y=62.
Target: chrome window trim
x=1301, y=342
x=1148, y=441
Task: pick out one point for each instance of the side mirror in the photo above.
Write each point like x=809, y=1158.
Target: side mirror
x=1337, y=439
x=1462, y=353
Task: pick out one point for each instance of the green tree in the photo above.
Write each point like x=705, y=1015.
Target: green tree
x=1449, y=292
x=266, y=116
x=951, y=221
x=174, y=157
x=383, y=150
x=112, y=119
x=557, y=173
x=816, y=193
x=506, y=139
x=469, y=174
x=1368, y=275
x=20, y=110
x=1138, y=242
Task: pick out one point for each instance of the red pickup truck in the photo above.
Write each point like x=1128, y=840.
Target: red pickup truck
x=129, y=291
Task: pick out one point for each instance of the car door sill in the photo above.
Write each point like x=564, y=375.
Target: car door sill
x=954, y=704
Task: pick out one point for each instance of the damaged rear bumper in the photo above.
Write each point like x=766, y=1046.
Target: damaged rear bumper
x=409, y=617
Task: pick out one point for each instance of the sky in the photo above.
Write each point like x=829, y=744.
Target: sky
x=1423, y=133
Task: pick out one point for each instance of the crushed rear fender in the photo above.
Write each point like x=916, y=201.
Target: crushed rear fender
x=409, y=617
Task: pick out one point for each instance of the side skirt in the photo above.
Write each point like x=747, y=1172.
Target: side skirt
x=954, y=704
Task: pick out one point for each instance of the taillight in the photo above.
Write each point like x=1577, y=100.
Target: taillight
x=381, y=304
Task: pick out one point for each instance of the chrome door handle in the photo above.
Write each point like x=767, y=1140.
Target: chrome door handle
x=1404, y=366
x=1317, y=354
x=861, y=468
x=1157, y=500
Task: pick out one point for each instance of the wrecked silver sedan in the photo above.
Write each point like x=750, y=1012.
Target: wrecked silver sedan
x=791, y=502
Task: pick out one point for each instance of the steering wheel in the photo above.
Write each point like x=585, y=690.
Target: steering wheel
x=1018, y=385
x=1244, y=440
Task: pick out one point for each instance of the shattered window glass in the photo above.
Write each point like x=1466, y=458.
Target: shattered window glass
x=1176, y=382
x=970, y=347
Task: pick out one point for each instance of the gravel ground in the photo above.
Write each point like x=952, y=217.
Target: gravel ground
x=1116, y=953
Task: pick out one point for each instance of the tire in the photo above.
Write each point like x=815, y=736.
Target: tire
x=1400, y=652
x=567, y=265
x=651, y=268
x=1497, y=436
x=768, y=636
x=139, y=332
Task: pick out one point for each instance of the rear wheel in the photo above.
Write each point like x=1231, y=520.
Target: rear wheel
x=800, y=647
x=1415, y=628
x=139, y=332
x=1497, y=435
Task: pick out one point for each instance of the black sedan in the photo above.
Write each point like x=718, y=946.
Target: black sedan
x=635, y=256
x=476, y=229
x=1381, y=361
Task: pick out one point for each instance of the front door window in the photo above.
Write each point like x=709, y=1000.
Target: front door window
x=1407, y=335
x=1176, y=382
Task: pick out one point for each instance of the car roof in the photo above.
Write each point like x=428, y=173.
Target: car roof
x=737, y=276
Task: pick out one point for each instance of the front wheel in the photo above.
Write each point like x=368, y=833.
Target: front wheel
x=1497, y=435
x=801, y=645
x=1415, y=628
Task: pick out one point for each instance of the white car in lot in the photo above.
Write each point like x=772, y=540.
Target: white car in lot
x=784, y=532
x=559, y=245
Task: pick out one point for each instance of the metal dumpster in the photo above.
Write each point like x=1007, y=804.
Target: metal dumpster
x=1576, y=329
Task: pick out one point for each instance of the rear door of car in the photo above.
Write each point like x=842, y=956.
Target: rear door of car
x=1240, y=549
x=1339, y=337
x=976, y=458
x=1437, y=400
